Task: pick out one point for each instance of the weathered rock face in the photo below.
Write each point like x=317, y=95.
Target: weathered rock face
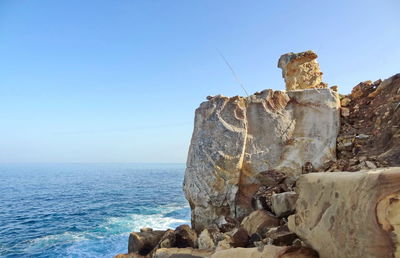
x=236, y=139
x=343, y=214
x=301, y=71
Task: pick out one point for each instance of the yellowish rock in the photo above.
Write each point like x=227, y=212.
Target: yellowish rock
x=345, y=102
x=349, y=214
x=301, y=70
x=345, y=112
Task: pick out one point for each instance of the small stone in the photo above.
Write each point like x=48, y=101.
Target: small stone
x=358, y=91
x=226, y=224
x=353, y=162
x=362, y=136
x=167, y=240
x=370, y=164
x=282, y=238
x=185, y=237
x=308, y=167
x=254, y=239
x=259, y=221
x=205, y=240
x=239, y=237
x=377, y=82
x=262, y=198
x=362, y=158
x=334, y=88
x=342, y=146
x=345, y=112
x=298, y=242
x=283, y=204
x=224, y=244
x=345, y=102
x=270, y=177
x=144, y=242
x=272, y=230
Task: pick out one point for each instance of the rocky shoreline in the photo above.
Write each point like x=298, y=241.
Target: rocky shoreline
x=305, y=172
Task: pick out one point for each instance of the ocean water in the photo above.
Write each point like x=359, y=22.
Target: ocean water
x=85, y=210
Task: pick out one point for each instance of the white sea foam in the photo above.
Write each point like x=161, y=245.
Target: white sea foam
x=113, y=234
x=136, y=221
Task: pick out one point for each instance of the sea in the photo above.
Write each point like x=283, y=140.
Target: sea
x=85, y=210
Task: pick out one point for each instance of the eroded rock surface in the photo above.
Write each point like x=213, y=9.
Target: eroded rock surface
x=301, y=71
x=349, y=214
x=236, y=139
x=247, y=155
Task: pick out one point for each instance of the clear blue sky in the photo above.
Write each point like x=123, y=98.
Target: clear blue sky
x=118, y=81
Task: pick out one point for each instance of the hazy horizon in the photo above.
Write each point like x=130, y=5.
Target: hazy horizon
x=119, y=81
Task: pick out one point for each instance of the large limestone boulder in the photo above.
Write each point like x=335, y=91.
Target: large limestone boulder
x=345, y=214
x=301, y=70
x=236, y=139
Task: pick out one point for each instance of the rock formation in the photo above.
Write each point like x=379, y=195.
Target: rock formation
x=301, y=71
x=349, y=214
x=236, y=139
x=254, y=181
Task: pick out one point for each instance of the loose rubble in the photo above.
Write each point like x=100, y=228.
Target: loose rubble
x=369, y=134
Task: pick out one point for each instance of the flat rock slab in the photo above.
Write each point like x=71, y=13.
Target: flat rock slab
x=349, y=214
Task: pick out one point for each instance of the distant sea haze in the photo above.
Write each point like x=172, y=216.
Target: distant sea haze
x=85, y=210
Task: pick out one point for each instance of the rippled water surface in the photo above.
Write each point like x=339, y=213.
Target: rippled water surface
x=85, y=210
